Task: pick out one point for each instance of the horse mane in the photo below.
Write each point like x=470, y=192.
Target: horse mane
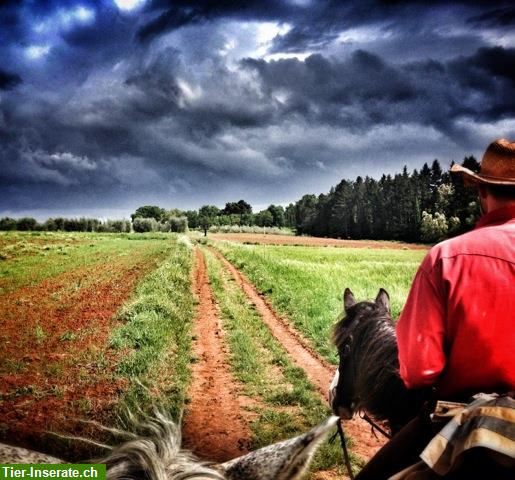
x=378, y=386
x=155, y=454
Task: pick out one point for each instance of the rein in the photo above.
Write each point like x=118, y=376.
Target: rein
x=374, y=425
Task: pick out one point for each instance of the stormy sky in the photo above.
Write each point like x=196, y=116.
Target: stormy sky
x=106, y=105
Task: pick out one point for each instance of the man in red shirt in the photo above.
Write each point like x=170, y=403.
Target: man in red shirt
x=456, y=331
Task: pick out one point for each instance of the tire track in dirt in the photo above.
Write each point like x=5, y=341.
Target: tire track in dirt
x=215, y=426
x=319, y=371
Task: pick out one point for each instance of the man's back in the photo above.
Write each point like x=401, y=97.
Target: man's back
x=456, y=330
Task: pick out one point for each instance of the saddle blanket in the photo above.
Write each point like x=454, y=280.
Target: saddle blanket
x=488, y=422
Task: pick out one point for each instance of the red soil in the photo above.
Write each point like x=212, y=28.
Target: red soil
x=55, y=365
x=215, y=426
x=319, y=371
x=311, y=241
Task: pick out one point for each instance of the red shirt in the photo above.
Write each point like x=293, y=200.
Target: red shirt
x=456, y=330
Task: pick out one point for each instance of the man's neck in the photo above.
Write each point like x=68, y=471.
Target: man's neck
x=494, y=203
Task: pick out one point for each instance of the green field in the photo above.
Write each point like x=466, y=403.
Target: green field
x=306, y=283
x=106, y=322
x=91, y=324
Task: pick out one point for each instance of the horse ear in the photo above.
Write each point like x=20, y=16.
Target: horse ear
x=383, y=299
x=348, y=299
x=286, y=460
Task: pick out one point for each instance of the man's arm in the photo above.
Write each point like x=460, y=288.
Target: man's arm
x=421, y=330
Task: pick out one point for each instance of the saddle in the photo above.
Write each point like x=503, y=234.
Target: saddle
x=477, y=441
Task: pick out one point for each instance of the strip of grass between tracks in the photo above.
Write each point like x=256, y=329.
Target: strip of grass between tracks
x=157, y=335
x=286, y=403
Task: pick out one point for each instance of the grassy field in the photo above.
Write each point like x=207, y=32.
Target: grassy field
x=89, y=324
x=27, y=258
x=93, y=323
x=306, y=283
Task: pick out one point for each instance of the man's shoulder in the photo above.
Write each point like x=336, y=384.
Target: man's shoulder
x=484, y=242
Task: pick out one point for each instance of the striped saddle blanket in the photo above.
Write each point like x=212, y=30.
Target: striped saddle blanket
x=488, y=422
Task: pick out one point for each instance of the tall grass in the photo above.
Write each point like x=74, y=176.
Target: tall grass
x=156, y=334
x=306, y=283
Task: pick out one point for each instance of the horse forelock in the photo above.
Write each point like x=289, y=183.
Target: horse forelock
x=362, y=318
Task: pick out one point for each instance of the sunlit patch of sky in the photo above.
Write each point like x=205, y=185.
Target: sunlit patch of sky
x=129, y=4
x=63, y=19
x=35, y=52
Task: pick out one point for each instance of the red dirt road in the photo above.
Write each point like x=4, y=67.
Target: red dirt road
x=319, y=371
x=311, y=241
x=215, y=427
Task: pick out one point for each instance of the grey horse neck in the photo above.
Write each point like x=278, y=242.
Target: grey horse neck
x=156, y=454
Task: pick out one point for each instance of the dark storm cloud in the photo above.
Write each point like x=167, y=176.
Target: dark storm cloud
x=498, y=17
x=175, y=14
x=315, y=24
x=365, y=90
x=8, y=80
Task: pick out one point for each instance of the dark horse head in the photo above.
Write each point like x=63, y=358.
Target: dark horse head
x=369, y=368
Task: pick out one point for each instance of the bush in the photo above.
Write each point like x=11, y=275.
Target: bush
x=7, y=223
x=26, y=223
x=179, y=224
x=163, y=226
x=116, y=226
x=433, y=228
x=142, y=225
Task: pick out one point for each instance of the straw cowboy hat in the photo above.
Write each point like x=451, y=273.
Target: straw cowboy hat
x=497, y=166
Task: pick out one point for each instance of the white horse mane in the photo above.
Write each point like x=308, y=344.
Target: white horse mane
x=155, y=453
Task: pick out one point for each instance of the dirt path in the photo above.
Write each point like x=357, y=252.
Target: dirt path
x=313, y=241
x=214, y=426
x=319, y=371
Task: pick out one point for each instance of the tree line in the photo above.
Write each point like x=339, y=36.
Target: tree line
x=421, y=206
x=427, y=205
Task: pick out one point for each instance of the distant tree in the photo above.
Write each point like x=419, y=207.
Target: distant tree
x=50, y=225
x=164, y=226
x=192, y=216
x=59, y=223
x=26, y=223
x=149, y=211
x=206, y=217
x=464, y=203
x=277, y=213
x=340, y=210
x=7, y=223
x=264, y=219
x=238, y=208
x=209, y=211
x=247, y=219
x=289, y=215
x=305, y=214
